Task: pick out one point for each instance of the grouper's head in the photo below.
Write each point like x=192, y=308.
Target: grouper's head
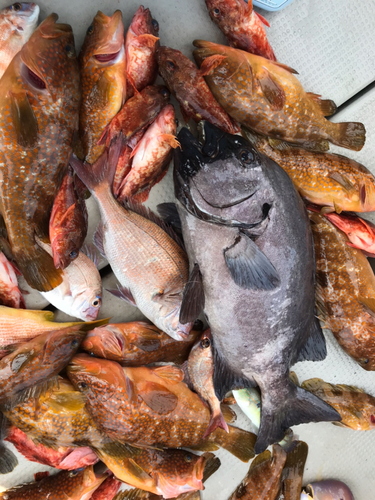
x=222, y=178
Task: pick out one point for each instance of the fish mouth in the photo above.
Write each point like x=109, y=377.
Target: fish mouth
x=224, y=205
x=106, y=58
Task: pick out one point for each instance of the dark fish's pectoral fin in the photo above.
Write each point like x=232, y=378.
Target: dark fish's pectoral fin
x=315, y=348
x=297, y=407
x=169, y=213
x=248, y=265
x=8, y=460
x=23, y=119
x=193, y=297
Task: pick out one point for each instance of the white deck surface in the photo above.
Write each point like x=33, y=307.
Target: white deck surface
x=331, y=44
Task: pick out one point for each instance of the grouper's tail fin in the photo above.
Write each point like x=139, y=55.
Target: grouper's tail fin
x=100, y=174
x=297, y=407
x=238, y=442
x=349, y=135
x=37, y=268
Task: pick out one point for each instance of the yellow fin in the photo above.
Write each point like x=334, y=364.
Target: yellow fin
x=277, y=144
x=260, y=459
x=24, y=120
x=344, y=181
x=272, y=90
x=327, y=106
x=171, y=373
x=40, y=316
x=230, y=416
x=284, y=66
x=210, y=63
x=293, y=377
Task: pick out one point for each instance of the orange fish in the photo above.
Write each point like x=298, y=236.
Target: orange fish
x=262, y=482
x=68, y=223
x=103, y=75
x=242, y=26
x=150, y=407
x=39, y=107
x=17, y=22
x=10, y=294
x=140, y=44
x=125, y=161
x=265, y=96
x=136, y=344
x=332, y=181
x=345, y=291
x=357, y=409
x=187, y=84
x=151, y=157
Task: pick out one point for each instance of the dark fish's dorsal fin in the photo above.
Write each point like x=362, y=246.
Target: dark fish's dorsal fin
x=23, y=119
x=151, y=216
x=315, y=348
x=124, y=294
x=249, y=267
x=169, y=213
x=193, y=298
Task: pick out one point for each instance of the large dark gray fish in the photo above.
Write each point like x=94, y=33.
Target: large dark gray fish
x=252, y=270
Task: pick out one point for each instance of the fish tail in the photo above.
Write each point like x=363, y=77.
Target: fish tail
x=238, y=442
x=217, y=420
x=350, y=135
x=8, y=460
x=296, y=407
x=100, y=175
x=38, y=269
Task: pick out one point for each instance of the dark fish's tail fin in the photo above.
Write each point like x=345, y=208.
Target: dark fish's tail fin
x=37, y=268
x=8, y=460
x=297, y=407
x=350, y=135
x=101, y=173
x=238, y=442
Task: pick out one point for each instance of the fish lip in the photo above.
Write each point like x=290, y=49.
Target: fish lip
x=227, y=205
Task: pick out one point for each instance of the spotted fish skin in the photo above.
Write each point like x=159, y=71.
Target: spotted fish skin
x=103, y=75
x=345, y=288
x=75, y=485
x=265, y=96
x=39, y=106
x=333, y=181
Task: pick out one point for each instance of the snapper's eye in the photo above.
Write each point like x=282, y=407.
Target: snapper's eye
x=246, y=156
x=17, y=7
x=73, y=254
x=97, y=301
x=216, y=12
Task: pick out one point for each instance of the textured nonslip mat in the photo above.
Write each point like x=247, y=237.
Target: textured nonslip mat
x=331, y=45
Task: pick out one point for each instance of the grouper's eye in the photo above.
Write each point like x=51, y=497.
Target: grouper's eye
x=246, y=157
x=216, y=12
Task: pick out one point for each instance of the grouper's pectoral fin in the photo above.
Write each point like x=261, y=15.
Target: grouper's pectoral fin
x=24, y=120
x=248, y=265
x=193, y=297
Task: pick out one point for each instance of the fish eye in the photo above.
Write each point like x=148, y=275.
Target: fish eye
x=155, y=24
x=73, y=473
x=70, y=50
x=73, y=254
x=188, y=458
x=74, y=343
x=165, y=92
x=97, y=301
x=91, y=354
x=171, y=65
x=216, y=12
x=205, y=343
x=17, y=6
x=82, y=385
x=176, y=122
x=90, y=30
x=366, y=361
x=246, y=156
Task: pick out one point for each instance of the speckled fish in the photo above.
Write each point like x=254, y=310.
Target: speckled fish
x=201, y=368
x=140, y=44
x=187, y=84
x=17, y=326
x=360, y=232
x=103, y=75
x=132, y=242
x=266, y=96
x=107, y=490
x=262, y=482
x=125, y=161
x=150, y=407
x=330, y=489
x=67, y=224
x=73, y=485
x=228, y=195
x=61, y=458
x=332, y=181
x=163, y=472
x=292, y=475
x=17, y=22
x=39, y=107
x=80, y=293
x=242, y=26
x=57, y=419
x=33, y=366
x=345, y=291
x=137, y=113
x=137, y=344
x=357, y=409
x=151, y=157
x=10, y=294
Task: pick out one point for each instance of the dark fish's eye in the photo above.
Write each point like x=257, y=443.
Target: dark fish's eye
x=90, y=30
x=246, y=156
x=216, y=12
x=188, y=458
x=17, y=6
x=205, y=343
x=73, y=254
x=171, y=65
x=74, y=343
x=155, y=25
x=97, y=301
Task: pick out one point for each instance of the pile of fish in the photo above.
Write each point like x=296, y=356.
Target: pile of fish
x=257, y=241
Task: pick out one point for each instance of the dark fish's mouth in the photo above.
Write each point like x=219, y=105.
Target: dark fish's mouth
x=225, y=205
x=105, y=58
